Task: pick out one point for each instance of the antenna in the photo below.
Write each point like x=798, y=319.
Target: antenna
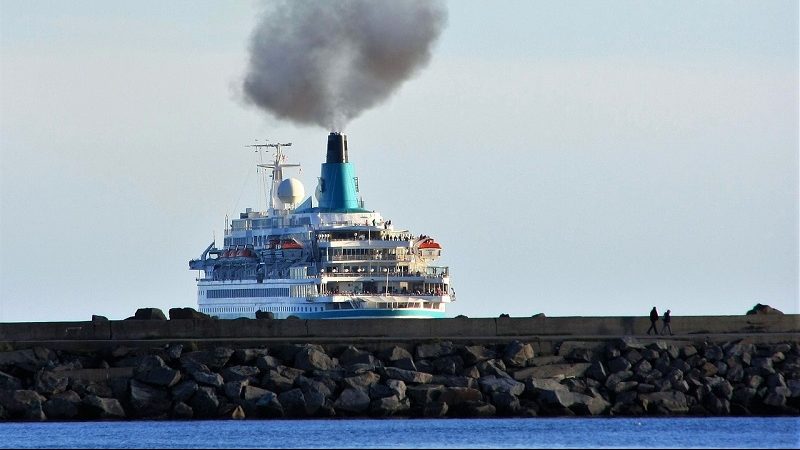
x=277, y=169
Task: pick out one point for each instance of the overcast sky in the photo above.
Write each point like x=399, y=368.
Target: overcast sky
x=573, y=158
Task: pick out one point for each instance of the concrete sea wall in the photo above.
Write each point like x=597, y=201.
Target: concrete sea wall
x=459, y=328
x=261, y=369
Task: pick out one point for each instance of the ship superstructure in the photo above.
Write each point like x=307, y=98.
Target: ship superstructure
x=328, y=258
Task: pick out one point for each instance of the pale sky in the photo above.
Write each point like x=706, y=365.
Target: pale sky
x=575, y=158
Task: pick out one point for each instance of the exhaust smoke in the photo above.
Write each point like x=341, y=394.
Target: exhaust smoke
x=324, y=62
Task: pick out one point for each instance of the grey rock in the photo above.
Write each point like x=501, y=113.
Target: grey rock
x=233, y=389
x=378, y=390
x=490, y=384
x=424, y=393
x=153, y=370
x=558, y=371
x=494, y=367
x=714, y=353
x=624, y=386
x=407, y=376
x=147, y=400
x=454, y=381
x=618, y=377
x=173, y=352
x=241, y=373
x=352, y=401
x=597, y=371
x=688, y=351
x=435, y=409
x=672, y=401
x=388, y=406
x=47, y=382
x=23, y=404
x=294, y=403
x=619, y=364
x=187, y=314
x=448, y=365
x=363, y=381
x=276, y=382
x=253, y=393
x=474, y=354
x=404, y=363
x=214, y=359
x=506, y=403
x=457, y=396
x=182, y=411
x=149, y=314
x=248, y=355
x=434, y=350
x=394, y=353
x=266, y=362
x=103, y=408
x=63, y=406
x=351, y=355
x=204, y=403
x=535, y=386
x=517, y=354
x=184, y=390
x=9, y=382
x=481, y=409
x=398, y=386
x=29, y=360
x=312, y=358
x=206, y=377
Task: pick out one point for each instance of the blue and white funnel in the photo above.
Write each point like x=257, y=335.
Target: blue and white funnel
x=337, y=183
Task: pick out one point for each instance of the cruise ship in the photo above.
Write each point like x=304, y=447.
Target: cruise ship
x=320, y=257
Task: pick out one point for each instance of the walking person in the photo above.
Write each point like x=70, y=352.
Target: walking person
x=653, y=320
x=666, y=326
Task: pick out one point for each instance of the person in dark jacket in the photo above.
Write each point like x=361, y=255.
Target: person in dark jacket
x=653, y=320
x=666, y=326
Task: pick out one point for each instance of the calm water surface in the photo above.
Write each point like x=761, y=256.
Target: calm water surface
x=759, y=432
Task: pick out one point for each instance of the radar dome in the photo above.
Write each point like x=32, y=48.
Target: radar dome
x=291, y=191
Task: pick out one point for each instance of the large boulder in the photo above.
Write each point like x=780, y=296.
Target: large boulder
x=103, y=408
x=313, y=358
x=268, y=315
x=352, y=401
x=23, y=404
x=763, y=309
x=149, y=314
x=187, y=313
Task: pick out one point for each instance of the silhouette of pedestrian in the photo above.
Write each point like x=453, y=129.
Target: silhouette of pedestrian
x=653, y=320
x=666, y=320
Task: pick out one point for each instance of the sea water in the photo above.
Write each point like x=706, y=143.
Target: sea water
x=751, y=432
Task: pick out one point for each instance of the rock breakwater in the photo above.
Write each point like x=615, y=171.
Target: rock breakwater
x=614, y=377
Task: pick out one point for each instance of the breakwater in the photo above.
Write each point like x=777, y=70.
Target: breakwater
x=377, y=375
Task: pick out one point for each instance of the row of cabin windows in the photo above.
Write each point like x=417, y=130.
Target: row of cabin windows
x=246, y=293
x=239, y=309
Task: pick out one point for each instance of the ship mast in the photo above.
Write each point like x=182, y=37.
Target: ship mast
x=277, y=172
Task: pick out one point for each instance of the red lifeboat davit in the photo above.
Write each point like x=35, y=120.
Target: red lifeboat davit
x=291, y=244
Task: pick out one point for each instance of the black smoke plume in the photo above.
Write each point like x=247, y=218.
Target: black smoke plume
x=325, y=62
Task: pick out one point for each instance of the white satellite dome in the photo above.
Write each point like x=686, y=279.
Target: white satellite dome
x=291, y=191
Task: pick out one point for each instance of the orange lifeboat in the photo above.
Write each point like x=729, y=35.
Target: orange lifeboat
x=430, y=244
x=226, y=254
x=291, y=244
